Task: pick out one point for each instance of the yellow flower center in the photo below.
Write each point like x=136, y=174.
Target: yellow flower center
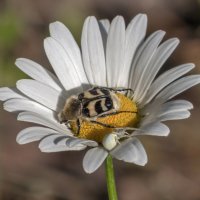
x=93, y=131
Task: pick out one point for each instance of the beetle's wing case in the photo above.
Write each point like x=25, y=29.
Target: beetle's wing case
x=98, y=107
x=91, y=93
x=116, y=101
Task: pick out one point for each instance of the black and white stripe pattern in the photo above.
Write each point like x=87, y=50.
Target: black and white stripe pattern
x=96, y=101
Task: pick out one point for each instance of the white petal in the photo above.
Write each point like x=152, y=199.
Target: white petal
x=152, y=108
x=62, y=64
x=61, y=33
x=157, y=110
x=176, y=115
x=176, y=105
x=9, y=93
x=135, y=33
x=153, y=128
x=42, y=93
x=115, y=51
x=143, y=58
x=56, y=143
x=178, y=87
x=42, y=120
x=164, y=79
x=93, y=52
x=38, y=73
x=93, y=159
x=104, y=26
x=15, y=105
x=161, y=55
x=71, y=142
x=32, y=134
x=131, y=151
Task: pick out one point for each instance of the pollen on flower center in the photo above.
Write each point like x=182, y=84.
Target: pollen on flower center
x=126, y=117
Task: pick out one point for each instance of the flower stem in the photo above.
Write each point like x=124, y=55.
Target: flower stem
x=112, y=194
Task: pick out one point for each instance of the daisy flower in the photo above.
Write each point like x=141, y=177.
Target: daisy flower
x=103, y=96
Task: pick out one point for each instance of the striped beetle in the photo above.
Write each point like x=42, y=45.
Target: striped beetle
x=90, y=105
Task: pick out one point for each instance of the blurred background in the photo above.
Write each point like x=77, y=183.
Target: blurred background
x=173, y=170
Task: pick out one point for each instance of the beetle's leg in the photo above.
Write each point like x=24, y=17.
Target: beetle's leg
x=115, y=89
x=67, y=123
x=63, y=121
x=110, y=126
x=115, y=113
x=78, y=123
x=102, y=124
x=128, y=90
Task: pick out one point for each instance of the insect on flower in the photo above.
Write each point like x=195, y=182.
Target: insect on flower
x=98, y=102
x=93, y=108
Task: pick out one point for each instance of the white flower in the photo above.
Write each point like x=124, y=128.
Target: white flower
x=112, y=56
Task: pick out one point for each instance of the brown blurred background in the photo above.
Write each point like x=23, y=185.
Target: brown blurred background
x=173, y=170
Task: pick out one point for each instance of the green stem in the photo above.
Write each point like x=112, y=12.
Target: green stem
x=110, y=179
